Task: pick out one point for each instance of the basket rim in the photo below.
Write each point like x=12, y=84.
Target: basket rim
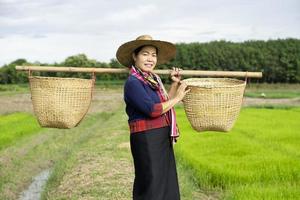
x=58, y=78
x=237, y=82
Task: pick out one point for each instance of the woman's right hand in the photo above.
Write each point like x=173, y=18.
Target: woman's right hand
x=181, y=92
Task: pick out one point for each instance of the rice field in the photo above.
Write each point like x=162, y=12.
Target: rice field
x=15, y=126
x=258, y=159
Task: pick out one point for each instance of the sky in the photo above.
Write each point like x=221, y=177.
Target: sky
x=51, y=30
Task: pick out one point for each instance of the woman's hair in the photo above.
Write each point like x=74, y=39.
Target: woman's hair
x=137, y=50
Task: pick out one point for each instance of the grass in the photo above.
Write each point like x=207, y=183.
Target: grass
x=92, y=160
x=272, y=91
x=88, y=170
x=12, y=89
x=16, y=126
x=32, y=154
x=258, y=159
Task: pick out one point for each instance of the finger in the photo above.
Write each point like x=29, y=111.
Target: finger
x=187, y=91
x=173, y=72
x=182, y=86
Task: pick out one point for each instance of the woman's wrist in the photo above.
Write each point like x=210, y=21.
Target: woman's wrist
x=176, y=99
x=167, y=105
x=174, y=83
x=175, y=80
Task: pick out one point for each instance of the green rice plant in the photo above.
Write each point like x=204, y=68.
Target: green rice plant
x=14, y=87
x=15, y=126
x=259, y=156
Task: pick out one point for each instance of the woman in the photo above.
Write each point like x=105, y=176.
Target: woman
x=152, y=119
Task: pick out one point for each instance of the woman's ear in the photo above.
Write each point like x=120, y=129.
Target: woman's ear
x=134, y=57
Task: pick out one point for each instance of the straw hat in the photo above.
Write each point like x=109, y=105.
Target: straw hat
x=166, y=50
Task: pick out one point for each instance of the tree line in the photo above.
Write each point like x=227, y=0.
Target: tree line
x=279, y=60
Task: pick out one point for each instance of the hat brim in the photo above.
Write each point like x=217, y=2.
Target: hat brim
x=166, y=51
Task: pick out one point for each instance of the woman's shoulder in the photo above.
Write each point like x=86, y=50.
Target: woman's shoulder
x=133, y=80
x=133, y=85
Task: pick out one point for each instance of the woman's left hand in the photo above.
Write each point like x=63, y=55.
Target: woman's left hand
x=175, y=76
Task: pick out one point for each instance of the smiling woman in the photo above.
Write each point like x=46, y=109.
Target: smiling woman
x=152, y=119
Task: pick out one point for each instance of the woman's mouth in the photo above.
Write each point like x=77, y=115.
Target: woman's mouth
x=148, y=65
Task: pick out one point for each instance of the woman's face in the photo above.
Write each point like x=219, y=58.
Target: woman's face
x=146, y=58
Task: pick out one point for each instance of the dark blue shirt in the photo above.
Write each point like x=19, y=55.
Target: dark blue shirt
x=141, y=100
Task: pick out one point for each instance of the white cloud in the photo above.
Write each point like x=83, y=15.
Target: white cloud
x=51, y=30
x=54, y=47
x=131, y=14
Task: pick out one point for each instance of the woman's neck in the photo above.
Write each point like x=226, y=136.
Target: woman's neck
x=146, y=73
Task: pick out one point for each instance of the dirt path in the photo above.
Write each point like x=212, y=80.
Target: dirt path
x=264, y=102
x=35, y=189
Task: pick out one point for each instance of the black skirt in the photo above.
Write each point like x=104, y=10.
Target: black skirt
x=154, y=163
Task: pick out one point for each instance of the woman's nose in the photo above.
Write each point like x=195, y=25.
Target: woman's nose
x=149, y=58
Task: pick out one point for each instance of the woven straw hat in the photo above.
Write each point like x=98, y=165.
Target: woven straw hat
x=166, y=50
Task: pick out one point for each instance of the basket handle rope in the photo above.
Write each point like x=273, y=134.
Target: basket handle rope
x=29, y=73
x=94, y=81
x=246, y=80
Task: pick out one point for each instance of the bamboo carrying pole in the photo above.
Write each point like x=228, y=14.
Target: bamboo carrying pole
x=125, y=70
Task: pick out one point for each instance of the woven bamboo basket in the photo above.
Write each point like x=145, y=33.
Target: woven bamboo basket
x=60, y=102
x=213, y=104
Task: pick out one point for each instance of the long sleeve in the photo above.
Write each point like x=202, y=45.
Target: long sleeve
x=136, y=95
